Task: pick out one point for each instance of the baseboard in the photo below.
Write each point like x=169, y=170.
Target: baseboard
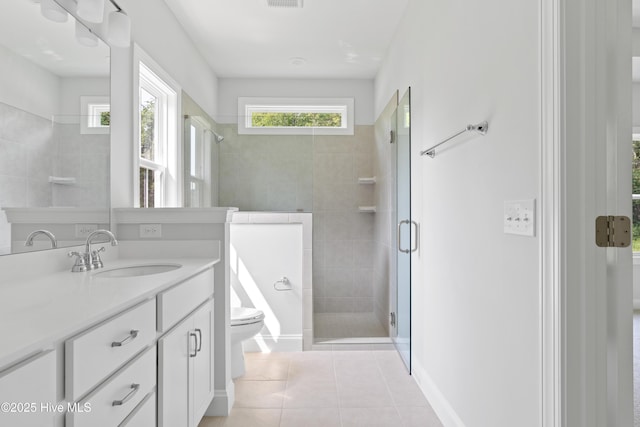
x=636, y=304
x=438, y=402
x=262, y=343
x=222, y=402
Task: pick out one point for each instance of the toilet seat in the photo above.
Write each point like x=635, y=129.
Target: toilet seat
x=245, y=316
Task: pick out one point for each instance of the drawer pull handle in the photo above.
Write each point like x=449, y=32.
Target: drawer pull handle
x=195, y=347
x=132, y=334
x=199, y=331
x=134, y=390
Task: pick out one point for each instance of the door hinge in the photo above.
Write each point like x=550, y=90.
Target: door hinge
x=613, y=231
x=392, y=319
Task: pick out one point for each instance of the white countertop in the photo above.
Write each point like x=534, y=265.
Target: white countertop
x=37, y=312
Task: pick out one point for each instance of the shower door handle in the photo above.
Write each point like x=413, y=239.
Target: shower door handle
x=404, y=251
x=415, y=236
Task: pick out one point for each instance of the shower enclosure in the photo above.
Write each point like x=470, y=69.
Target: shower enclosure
x=348, y=182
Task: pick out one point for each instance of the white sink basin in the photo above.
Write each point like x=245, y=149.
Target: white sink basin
x=136, y=270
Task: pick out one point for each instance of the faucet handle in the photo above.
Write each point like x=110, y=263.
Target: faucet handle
x=81, y=262
x=95, y=258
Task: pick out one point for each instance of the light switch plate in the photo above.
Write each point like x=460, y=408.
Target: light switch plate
x=150, y=231
x=520, y=217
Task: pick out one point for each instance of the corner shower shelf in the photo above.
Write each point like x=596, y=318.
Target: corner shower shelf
x=367, y=209
x=367, y=180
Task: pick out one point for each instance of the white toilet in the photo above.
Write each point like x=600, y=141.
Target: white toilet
x=245, y=323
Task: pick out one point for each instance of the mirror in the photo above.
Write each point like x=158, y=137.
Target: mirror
x=54, y=128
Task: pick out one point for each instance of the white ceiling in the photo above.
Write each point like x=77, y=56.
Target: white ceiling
x=335, y=38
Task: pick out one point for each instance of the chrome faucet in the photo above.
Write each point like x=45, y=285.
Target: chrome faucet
x=50, y=235
x=90, y=259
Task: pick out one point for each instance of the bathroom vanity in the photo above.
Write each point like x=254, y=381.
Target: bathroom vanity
x=100, y=348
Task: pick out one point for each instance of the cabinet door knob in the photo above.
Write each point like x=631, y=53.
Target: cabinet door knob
x=132, y=334
x=134, y=390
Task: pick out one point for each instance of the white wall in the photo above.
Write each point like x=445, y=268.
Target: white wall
x=475, y=292
x=360, y=90
x=165, y=41
x=28, y=86
x=71, y=89
x=260, y=255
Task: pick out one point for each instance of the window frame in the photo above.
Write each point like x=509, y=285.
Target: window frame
x=89, y=105
x=247, y=105
x=149, y=75
x=203, y=142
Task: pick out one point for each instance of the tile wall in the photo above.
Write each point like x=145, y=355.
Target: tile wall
x=32, y=150
x=343, y=237
x=270, y=173
x=26, y=160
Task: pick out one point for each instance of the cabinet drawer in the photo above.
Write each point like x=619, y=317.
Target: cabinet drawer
x=26, y=387
x=144, y=415
x=96, y=353
x=117, y=397
x=175, y=303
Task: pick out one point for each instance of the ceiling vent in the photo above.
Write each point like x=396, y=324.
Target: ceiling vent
x=285, y=3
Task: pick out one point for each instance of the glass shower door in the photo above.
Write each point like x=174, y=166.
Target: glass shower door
x=406, y=231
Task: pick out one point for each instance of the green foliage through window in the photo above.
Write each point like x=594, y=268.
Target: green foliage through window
x=147, y=129
x=636, y=190
x=331, y=120
x=105, y=118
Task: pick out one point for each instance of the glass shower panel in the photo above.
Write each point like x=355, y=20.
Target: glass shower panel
x=405, y=228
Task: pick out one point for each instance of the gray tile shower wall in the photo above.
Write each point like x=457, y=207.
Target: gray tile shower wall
x=343, y=237
x=35, y=148
x=26, y=144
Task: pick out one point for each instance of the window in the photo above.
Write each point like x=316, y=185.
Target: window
x=156, y=177
x=96, y=114
x=636, y=193
x=297, y=116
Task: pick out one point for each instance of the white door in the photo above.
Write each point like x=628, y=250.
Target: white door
x=586, y=172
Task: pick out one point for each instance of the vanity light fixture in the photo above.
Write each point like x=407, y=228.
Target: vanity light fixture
x=119, y=24
x=53, y=11
x=91, y=10
x=119, y=27
x=84, y=36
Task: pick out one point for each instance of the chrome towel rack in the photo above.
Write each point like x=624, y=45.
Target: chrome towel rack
x=481, y=128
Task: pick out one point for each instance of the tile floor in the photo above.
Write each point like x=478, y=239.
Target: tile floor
x=327, y=389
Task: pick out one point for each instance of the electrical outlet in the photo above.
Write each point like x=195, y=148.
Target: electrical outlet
x=519, y=217
x=83, y=230
x=150, y=231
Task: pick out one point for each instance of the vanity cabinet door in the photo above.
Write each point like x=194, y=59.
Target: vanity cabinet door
x=28, y=388
x=185, y=370
x=174, y=349
x=202, y=363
